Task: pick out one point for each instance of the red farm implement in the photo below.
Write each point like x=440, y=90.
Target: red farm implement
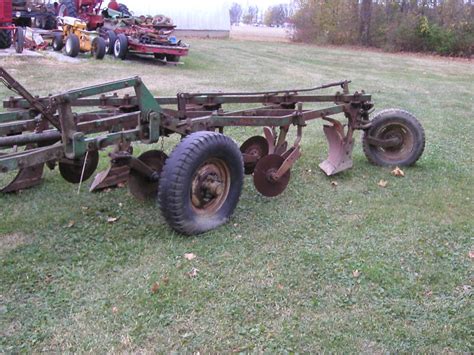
x=151, y=36
x=198, y=186
x=9, y=33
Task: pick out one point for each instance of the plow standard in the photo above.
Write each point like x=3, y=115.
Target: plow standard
x=198, y=186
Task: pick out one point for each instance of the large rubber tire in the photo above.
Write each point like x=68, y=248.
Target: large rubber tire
x=5, y=39
x=19, y=39
x=98, y=48
x=393, y=123
x=73, y=45
x=121, y=46
x=110, y=37
x=70, y=6
x=58, y=42
x=49, y=22
x=172, y=58
x=201, y=156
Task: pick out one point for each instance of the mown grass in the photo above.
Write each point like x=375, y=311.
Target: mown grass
x=346, y=268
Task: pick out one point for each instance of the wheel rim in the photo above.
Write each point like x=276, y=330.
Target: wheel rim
x=117, y=48
x=405, y=137
x=69, y=46
x=210, y=186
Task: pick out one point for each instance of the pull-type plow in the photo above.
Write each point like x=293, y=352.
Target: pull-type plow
x=199, y=184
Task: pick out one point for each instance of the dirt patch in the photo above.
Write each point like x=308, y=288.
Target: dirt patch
x=12, y=241
x=265, y=34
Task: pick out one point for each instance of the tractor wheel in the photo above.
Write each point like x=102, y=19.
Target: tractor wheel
x=201, y=183
x=19, y=39
x=58, y=42
x=121, y=47
x=68, y=8
x=72, y=45
x=110, y=37
x=49, y=22
x=172, y=58
x=98, y=48
x=5, y=39
x=399, y=125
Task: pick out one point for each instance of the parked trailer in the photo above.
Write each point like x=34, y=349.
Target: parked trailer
x=150, y=36
x=198, y=186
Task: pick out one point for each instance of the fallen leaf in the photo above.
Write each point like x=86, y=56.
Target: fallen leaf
x=189, y=256
x=114, y=310
x=383, y=183
x=165, y=280
x=155, y=287
x=280, y=287
x=471, y=254
x=84, y=208
x=356, y=273
x=71, y=224
x=429, y=293
x=112, y=219
x=334, y=183
x=238, y=236
x=398, y=172
x=193, y=273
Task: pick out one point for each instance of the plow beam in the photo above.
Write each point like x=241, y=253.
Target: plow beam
x=340, y=150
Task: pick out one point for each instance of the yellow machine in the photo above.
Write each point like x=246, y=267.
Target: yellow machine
x=76, y=38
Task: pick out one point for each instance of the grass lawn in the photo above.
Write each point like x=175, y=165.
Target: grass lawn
x=347, y=268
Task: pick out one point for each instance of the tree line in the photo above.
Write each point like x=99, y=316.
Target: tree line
x=439, y=26
x=445, y=27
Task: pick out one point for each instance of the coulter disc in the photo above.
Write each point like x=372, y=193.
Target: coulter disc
x=141, y=186
x=262, y=176
x=71, y=169
x=256, y=146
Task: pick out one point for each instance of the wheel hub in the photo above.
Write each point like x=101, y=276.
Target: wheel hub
x=210, y=186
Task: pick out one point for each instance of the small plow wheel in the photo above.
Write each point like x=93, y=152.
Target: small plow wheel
x=142, y=187
x=395, y=138
x=263, y=176
x=71, y=169
x=255, y=148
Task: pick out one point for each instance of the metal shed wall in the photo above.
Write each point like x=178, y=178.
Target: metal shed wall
x=210, y=15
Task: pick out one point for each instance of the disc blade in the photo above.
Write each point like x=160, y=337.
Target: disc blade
x=140, y=186
x=262, y=176
x=256, y=146
x=71, y=169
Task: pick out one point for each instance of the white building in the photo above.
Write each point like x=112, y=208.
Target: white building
x=208, y=18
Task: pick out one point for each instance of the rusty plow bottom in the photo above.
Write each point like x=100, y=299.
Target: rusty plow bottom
x=113, y=176
x=24, y=179
x=340, y=150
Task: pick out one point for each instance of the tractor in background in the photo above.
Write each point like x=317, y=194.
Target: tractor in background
x=34, y=13
x=76, y=38
x=86, y=10
x=9, y=33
